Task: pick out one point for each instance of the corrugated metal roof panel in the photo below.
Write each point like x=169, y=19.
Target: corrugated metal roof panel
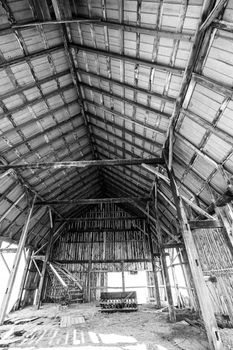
x=205, y=102
x=192, y=131
x=183, y=151
x=217, y=148
x=203, y=167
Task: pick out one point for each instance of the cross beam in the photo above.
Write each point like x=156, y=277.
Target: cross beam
x=84, y=201
x=83, y=163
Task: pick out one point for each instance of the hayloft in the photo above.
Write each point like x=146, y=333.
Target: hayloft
x=116, y=139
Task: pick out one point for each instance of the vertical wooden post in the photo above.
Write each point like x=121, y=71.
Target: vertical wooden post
x=196, y=270
x=89, y=282
x=158, y=302
x=24, y=277
x=123, y=276
x=44, y=266
x=14, y=270
x=172, y=313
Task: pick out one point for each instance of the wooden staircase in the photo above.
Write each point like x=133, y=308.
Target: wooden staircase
x=64, y=287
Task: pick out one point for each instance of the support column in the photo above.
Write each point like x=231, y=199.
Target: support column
x=89, y=282
x=172, y=314
x=14, y=270
x=123, y=276
x=23, y=281
x=157, y=294
x=44, y=266
x=196, y=270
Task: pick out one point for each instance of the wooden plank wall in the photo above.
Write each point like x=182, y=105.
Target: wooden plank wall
x=217, y=265
x=92, y=247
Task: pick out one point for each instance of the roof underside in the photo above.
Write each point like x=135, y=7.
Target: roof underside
x=110, y=86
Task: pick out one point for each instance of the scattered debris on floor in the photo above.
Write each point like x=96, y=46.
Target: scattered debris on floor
x=83, y=325
x=68, y=320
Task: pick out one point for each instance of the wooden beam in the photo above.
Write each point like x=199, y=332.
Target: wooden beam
x=139, y=136
x=103, y=218
x=124, y=117
x=39, y=134
x=225, y=136
x=107, y=261
x=213, y=85
x=172, y=313
x=11, y=207
x=124, y=85
x=54, y=22
x=22, y=89
x=106, y=141
x=172, y=245
x=213, y=14
x=162, y=67
x=195, y=224
x=154, y=267
x=197, y=209
x=85, y=201
x=29, y=57
x=8, y=250
x=128, y=101
x=223, y=25
x=197, y=274
x=14, y=270
x=123, y=276
x=83, y=163
x=99, y=22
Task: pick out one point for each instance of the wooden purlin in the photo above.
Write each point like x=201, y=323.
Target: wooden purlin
x=124, y=117
x=202, y=153
x=132, y=183
x=37, y=135
x=27, y=58
x=124, y=85
x=214, y=130
x=177, y=71
x=119, y=147
x=134, y=104
x=196, y=174
x=82, y=189
x=98, y=22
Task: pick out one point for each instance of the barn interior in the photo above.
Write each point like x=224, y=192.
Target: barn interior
x=116, y=164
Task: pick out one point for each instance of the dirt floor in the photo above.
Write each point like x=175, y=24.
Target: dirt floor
x=84, y=327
